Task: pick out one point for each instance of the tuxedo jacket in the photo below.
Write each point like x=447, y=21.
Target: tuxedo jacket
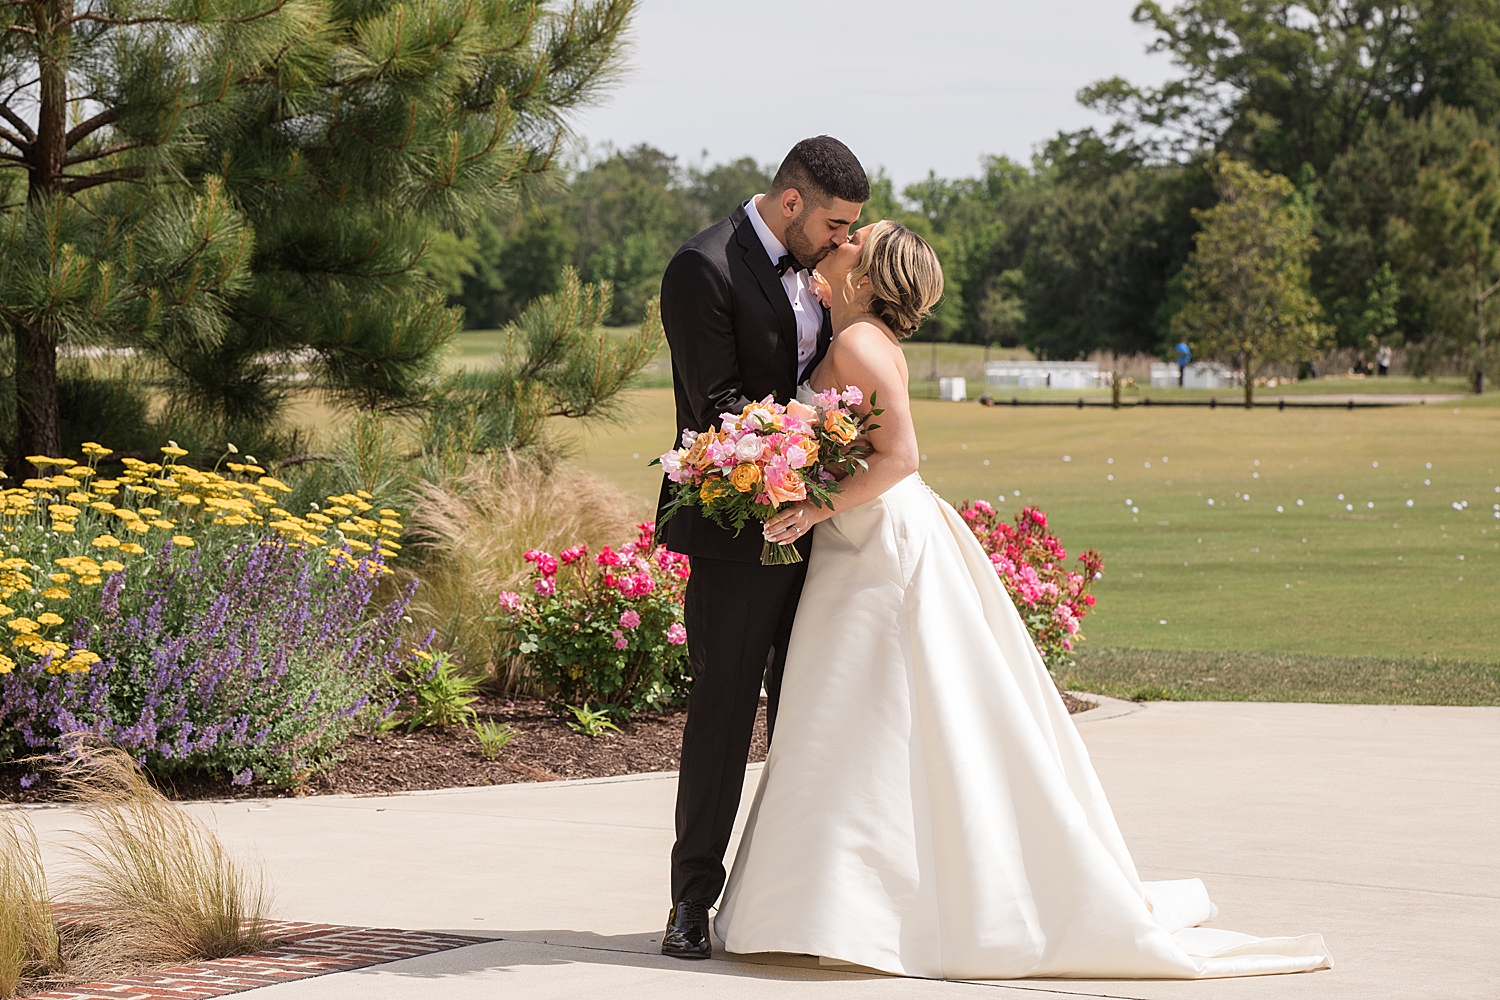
x=733, y=337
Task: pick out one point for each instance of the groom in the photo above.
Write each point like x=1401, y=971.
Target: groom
x=743, y=322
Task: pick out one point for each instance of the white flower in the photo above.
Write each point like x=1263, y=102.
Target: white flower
x=748, y=448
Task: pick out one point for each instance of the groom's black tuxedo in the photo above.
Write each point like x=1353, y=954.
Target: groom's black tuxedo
x=733, y=335
x=734, y=339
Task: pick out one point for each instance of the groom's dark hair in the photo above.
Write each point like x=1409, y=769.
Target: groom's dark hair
x=822, y=168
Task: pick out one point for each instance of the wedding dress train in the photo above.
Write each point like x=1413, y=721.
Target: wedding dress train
x=927, y=807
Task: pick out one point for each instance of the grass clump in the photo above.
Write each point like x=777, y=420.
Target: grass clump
x=472, y=531
x=156, y=884
x=1200, y=675
x=28, y=934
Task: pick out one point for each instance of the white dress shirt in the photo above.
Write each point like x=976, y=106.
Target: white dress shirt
x=799, y=291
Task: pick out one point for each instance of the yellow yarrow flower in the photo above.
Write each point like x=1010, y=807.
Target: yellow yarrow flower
x=139, y=527
x=185, y=541
x=105, y=542
x=148, y=511
x=174, y=451
x=48, y=618
x=164, y=525
x=131, y=549
x=56, y=594
x=111, y=566
x=66, y=527
x=23, y=625
x=6, y=664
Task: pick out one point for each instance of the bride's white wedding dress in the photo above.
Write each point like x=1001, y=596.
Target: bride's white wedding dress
x=927, y=808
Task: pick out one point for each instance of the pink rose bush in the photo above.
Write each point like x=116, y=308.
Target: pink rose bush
x=1031, y=563
x=768, y=455
x=604, y=630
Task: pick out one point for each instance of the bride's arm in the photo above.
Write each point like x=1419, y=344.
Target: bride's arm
x=865, y=360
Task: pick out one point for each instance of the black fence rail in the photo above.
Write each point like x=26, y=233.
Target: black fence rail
x=1212, y=404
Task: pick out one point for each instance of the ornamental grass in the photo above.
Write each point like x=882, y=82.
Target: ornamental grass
x=473, y=532
x=28, y=935
x=155, y=884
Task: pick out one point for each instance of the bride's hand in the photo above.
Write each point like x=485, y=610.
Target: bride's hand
x=822, y=290
x=795, y=522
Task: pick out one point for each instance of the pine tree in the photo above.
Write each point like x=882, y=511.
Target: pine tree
x=238, y=186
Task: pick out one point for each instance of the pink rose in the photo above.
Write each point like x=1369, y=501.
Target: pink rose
x=629, y=618
x=607, y=557
x=676, y=634
x=546, y=586
x=510, y=600
x=620, y=641
x=783, y=484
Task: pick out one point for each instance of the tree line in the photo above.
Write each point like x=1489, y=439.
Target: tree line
x=1369, y=132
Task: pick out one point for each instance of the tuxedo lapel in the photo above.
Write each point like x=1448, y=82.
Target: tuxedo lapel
x=770, y=282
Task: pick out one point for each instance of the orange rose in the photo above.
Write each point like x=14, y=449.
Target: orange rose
x=697, y=455
x=745, y=477
x=840, y=427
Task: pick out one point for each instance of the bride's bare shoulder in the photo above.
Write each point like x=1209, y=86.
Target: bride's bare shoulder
x=867, y=344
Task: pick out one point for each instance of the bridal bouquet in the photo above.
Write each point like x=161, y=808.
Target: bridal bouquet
x=768, y=455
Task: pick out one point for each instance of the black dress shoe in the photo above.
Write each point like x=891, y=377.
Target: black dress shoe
x=686, y=935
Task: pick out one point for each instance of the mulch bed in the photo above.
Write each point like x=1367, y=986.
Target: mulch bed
x=544, y=749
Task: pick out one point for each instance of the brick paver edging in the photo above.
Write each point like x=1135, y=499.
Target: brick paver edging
x=303, y=951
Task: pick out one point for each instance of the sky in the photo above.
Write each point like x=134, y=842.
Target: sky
x=909, y=85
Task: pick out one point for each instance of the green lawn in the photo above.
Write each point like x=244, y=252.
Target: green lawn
x=1362, y=577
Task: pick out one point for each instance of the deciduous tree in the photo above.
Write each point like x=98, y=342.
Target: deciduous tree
x=1247, y=279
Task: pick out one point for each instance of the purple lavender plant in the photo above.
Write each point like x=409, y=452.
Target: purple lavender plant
x=254, y=663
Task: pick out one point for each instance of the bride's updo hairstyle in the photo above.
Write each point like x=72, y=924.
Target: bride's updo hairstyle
x=904, y=275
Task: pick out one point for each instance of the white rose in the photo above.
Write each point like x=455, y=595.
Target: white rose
x=748, y=448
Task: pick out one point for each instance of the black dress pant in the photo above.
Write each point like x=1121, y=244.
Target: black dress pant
x=739, y=619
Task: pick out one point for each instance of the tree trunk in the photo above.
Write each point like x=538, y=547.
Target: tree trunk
x=37, y=419
x=1249, y=382
x=1479, y=338
x=36, y=391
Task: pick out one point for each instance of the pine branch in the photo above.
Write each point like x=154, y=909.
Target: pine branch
x=74, y=185
x=19, y=122
x=84, y=129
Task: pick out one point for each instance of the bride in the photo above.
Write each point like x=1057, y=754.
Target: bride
x=927, y=807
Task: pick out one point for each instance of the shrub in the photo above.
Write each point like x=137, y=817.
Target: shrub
x=605, y=630
x=1030, y=562
x=216, y=629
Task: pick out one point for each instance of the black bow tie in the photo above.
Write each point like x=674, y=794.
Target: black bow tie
x=788, y=263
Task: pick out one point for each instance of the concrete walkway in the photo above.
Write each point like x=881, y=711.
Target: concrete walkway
x=1375, y=826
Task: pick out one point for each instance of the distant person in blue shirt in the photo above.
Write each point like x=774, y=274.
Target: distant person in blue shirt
x=1184, y=358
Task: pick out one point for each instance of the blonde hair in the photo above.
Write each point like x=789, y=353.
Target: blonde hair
x=904, y=273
